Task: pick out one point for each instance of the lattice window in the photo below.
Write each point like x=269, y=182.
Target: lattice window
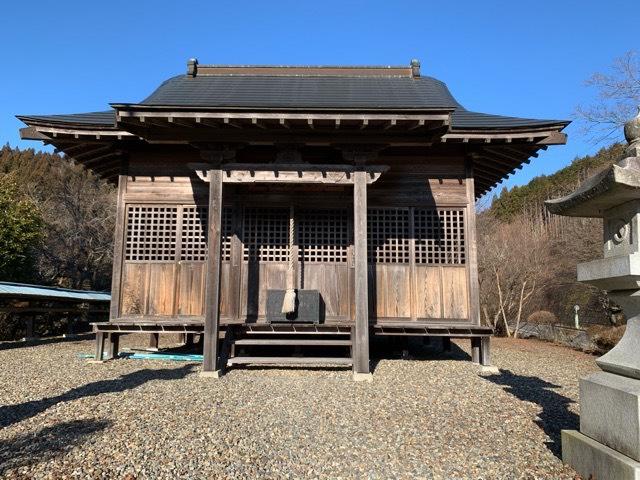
x=266, y=234
x=194, y=233
x=323, y=235
x=388, y=235
x=439, y=236
x=227, y=233
x=151, y=233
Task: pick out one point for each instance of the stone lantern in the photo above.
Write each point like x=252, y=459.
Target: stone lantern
x=608, y=443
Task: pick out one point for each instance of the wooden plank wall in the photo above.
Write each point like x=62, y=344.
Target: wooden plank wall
x=397, y=292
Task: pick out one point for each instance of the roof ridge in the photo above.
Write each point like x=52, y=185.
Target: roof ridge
x=194, y=69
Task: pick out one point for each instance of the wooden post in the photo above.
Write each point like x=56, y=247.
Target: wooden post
x=154, y=341
x=113, y=345
x=71, y=320
x=29, y=322
x=99, y=346
x=212, y=288
x=118, y=240
x=361, y=360
x=475, y=349
x=485, y=351
x=472, y=246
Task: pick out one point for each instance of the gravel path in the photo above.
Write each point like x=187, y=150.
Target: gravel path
x=61, y=417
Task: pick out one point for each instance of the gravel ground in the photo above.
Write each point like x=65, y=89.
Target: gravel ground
x=426, y=417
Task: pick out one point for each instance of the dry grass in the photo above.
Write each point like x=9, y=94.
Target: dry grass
x=606, y=337
x=542, y=317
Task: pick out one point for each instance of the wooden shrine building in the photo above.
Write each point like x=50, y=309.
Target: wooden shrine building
x=354, y=186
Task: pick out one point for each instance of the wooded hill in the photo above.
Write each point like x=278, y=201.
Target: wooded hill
x=526, y=198
x=56, y=221
x=528, y=257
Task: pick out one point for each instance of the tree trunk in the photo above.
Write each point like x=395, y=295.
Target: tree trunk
x=500, y=300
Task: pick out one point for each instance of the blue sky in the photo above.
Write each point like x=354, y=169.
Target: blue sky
x=514, y=58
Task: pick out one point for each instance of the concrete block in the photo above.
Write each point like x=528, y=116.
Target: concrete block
x=610, y=411
x=489, y=370
x=211, y=374
x=623, y=359
x=596, y=461
x=362, y=377
x=612, y=273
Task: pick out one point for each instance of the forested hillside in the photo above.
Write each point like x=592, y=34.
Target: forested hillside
x=56, y=221
x=528, y=257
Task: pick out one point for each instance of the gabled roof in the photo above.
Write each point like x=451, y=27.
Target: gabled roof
x=375, y=101
x=302, y=93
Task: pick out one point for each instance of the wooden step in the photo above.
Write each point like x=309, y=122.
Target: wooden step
x=292, y=332
x=290, y=361
x=292, y=341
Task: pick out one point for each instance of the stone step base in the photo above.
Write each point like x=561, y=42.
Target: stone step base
x=595, y=460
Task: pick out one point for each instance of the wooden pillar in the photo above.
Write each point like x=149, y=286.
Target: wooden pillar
x=29, y=322
x=154, y=341
x=113, y=345
x=118, y=241
x=472, y=246
x=475, y=349
x=212, y=288
x=361, y=291
x=71, y=321
x=99, y=346
x=485, y=351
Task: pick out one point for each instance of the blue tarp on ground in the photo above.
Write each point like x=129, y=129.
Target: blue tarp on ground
x=174, y=357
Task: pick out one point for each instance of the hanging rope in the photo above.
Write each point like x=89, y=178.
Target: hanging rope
x=289, y=301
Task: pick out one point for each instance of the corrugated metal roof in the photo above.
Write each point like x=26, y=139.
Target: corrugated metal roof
x=25, y=290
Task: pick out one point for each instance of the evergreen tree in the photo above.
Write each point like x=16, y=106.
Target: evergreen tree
x=21, y=232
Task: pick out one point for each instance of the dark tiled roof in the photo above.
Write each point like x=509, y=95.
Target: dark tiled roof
x=98, y=119
x=306, y=92
x=302, y=92
x=464, y=119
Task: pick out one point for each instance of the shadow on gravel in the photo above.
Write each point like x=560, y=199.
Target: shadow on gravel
x=555, y=415
x=413, y=348
x=11, y=414
x=10, y=345
x=47, y=443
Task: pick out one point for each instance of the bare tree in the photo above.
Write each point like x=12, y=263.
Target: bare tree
x=618, y=96
x=79, y=214
x=512, y=267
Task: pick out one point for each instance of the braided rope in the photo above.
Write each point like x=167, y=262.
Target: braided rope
x=291, y=244
x=289, y=301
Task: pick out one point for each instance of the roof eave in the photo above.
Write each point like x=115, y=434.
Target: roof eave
x=190, y=108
